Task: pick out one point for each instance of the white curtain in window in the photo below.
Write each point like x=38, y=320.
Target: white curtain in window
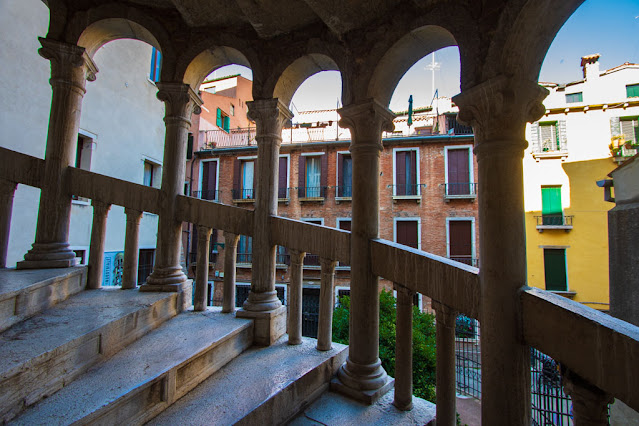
x=313, y=174
x=247, y=179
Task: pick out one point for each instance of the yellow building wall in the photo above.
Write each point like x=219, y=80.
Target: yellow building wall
x=587, y=242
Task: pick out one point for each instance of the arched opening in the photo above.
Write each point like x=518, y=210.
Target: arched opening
x=209, y=60
x=101, y=32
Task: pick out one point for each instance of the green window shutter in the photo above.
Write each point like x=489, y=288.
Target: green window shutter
x=227, y=124
x=555, y=269
x=534, y=137
x=562, y=141
x=632, y=90
x=218, y=120
x=551, y=200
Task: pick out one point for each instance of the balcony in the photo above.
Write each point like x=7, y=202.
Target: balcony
x=311, y=193
x=460, y=191
x=407, y=191
x=466, y=260
x=244, y=259
x=207, y=194
x=283, y=195
x=550, y=149
x=343, y=193
x=246, y=195
x=553, y=221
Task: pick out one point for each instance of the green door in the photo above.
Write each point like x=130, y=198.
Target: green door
x=555, y=269
x=551, y=209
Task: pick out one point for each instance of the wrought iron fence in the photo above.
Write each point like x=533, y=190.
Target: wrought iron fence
x=312, y=191
x=554, y=220
x=465, y=259
x=460, y=189
x=244, y=257
x=468, y=356
x=310, y=312
x=407, y=188
x=344, y=191
x=283, y=193
x=243, y=194
x=206, y=194
x=311, y=260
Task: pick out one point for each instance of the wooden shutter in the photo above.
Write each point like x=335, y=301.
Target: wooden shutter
x=460, y=239
x=561, y=135
x=411, y=180
x=340, y=171
x=323, y=175
x=458, y=172
x=534, y=137
x=551, y=200
x=407, y=233
x=301, y=177
x=189, y=147
x=227, y=123
x=555, y=269
x=218, y=120
x=282, y=178
x=209, y=180
x=615, y=127
x=400, y=173
x=237, y=178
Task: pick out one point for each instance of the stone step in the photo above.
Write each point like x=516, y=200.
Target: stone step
x=24, y=293
x=148, y=375
x=42, y=354
x=265, y=385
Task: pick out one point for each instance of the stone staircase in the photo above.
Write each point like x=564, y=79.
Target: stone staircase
x=109, y=356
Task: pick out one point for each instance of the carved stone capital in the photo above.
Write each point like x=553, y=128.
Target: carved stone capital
x=203, y=234
x=296, y=256
x=230, y=239
x=270, y=116
x=590, y=404
x=70, y=64
x=100, y=208
x=366, y=120
x=444, y=314
x=328, y=265
x=132, y=215
x=180, y=102
x=499, y=108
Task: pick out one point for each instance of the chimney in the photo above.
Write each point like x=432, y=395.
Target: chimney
x=590, y=65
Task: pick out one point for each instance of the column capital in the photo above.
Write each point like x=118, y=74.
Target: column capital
x=180, y=101
x=403, y=290
x=269, y=115
x=590, y=404
x=444, y=313
x=70, y=63
x=328, y=265
x=366, y=120
x=296, y=256
x=499, y=108
x=100, y=207
x=132, y=214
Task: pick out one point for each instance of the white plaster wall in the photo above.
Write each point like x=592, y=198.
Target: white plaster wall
x=120, y=108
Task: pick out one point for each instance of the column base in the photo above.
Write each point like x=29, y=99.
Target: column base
x=48, y=255
x=262, y=302
x=268, y=326
x=365, y=383
x=185, y=290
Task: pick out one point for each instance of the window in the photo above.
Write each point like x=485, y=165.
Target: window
x=189, y=147
x=208, y=180
x=146, y=260
x=245, y=250
x=555, y=269
x=156, y=65
x=151, y=176
x=232, y=109
x=626, y=129
x=242, y=291
x=223, y=121
x=83, y=154
x=281, y=256
x=344, y=175
x=282, y=180
x=551, y=208
x=80, y=256
x=243, y=179
x=459, y=173
x=574, y=97
x=313, y=170
x=632, y=90
x=407, y=232
x=460, y=240
x=312, y=259
x=406, y=172
x=549, y=138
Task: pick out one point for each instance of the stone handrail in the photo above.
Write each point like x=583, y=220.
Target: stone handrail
x=215, y=215
x=21, y=168
x=599, y=348
x=452, y=283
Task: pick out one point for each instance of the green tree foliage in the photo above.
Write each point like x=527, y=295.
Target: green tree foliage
x=423, y=341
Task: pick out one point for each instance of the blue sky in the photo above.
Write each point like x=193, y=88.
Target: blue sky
x=608, y=27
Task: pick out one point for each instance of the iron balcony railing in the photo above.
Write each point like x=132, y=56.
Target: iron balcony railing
x=206, y=194
x=407, y=189
x=344, y=191
x=244, y=257
x=460, y=190
x=282, y=259
x=558, y=219
x=283, y=193
x=311, y=192
x=311, y=260
x=234, y=137
x=466, y=260
x=243, y=194
x=212, y=257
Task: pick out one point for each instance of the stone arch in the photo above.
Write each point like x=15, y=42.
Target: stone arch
x=298, y=71
x=101, y=32
x=210, y=59
x=402, y=55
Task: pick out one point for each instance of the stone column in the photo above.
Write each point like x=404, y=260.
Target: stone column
x=404, y=350
x=589, y=403
x=70, y=68
x=7, y=190
x=180, y=101
x=96, y=248
x=202, y=267
x=326, y=304
x=362, y=376
x=295, y=297
x=445, y=374
x=230, y=257
x=262, y=303
x=131, y=249
x=498, y=110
